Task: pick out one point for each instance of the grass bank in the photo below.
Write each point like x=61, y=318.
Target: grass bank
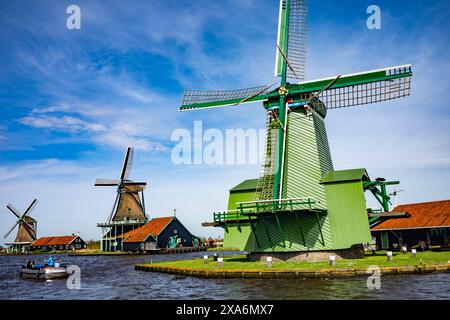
x=222, y=249
x=241, y=266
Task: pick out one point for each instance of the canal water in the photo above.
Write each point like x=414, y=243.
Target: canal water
x=114, y=277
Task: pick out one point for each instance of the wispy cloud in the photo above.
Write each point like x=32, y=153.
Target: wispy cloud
x=41, y=169
x=117, y=134
x=64, y=123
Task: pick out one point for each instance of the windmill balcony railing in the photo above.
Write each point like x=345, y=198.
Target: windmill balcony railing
x=121, y=222
x=254, y=208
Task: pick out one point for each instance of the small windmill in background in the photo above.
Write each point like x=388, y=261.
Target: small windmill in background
x=395, y=195
x=27, y=228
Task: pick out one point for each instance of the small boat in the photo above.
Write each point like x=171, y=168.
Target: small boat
x=44, y=272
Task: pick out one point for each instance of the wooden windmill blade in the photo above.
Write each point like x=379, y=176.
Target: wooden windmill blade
x=26, y=219
x=203, y=99
x=31, y=207
x=13, y=210
x=106, y=182
x=10, y=230
x=357, y=88
x=127, y=164
x=291, y=41
x=135, y=185
x=114, y=209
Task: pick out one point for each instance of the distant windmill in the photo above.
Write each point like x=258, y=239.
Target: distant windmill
x=26, y=232
x=128, y=205
x=394, y=194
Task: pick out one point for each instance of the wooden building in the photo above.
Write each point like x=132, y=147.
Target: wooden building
x=163, y=232
x=72, y=242
x=428, y=226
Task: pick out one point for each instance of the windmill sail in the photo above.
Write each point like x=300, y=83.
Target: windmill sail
x=13, y=210
x=201, y=99
x=31, y=207
x=106, y=182
x=357, y=88
x=10, y=230
x=127, y=164
x=291, y=42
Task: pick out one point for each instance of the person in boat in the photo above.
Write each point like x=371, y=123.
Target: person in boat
x=30, y=264
x=50, y=261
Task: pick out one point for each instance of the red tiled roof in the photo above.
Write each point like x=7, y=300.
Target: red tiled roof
x=154, y=228
x=53, y=241
x=423, y=215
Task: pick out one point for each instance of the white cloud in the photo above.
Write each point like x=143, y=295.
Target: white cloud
x=101, y=128
x=64, y=123
x=120, y=140
x=46, y=169
x=51, y=109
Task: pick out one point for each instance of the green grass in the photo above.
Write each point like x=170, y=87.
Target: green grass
x=241, y=262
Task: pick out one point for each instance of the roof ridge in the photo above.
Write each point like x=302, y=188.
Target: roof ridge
x=416, y=203
x=152, y=228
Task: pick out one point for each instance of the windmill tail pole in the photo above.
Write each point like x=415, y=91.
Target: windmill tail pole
x=283, y=152
x=277, y=192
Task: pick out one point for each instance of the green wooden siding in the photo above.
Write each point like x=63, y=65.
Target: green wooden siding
x=347, y=213
x=271, y=240
x=240, y=196
x=307, y=161
x=307, y=157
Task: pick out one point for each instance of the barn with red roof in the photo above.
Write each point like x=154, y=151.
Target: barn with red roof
x=428, y=226
x=72, y=242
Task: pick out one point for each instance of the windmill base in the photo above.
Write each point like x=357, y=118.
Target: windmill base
x=355, y=252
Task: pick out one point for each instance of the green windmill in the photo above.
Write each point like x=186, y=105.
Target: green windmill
x=299, y=203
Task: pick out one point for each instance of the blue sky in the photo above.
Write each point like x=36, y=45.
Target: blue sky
x=73, y=100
